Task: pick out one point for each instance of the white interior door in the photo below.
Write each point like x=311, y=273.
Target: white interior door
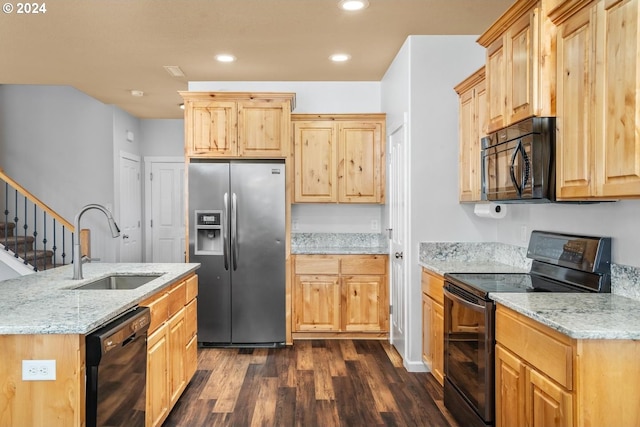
x=397, y=220
x=130, y=209
x=168, y=227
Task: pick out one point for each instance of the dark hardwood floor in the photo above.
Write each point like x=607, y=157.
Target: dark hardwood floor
x=320, y=383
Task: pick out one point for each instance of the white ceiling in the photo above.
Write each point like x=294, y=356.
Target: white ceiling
x=106, y=48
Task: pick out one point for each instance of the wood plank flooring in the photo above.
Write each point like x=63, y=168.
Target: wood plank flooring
x=322, y=383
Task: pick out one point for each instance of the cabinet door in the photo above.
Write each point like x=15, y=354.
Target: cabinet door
x=575, y=122
x=317, y=303
x=315, y=151
x=263, y=129
x=365, y=307
x=157, y=377
x=547, y=404
x=520, y=63
x=496, y=85
x=177, y=346
x=437, y=334
x=618, y=100
x=510, y=386
x=211, y=129
x=472, y=113
x=360, y=160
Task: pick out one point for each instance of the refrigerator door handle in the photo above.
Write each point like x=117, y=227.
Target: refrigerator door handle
x=234, y=231
x=225, y=232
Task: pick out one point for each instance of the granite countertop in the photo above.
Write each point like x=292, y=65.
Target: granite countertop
x=338, y=243
x=44, y=303
x=580, y=316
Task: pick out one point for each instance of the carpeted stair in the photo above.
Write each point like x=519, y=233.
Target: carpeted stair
x=23, y=246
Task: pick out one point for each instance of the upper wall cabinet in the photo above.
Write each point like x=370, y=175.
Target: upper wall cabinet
x=598, y=144
x=472, y=128
x=339, y=158
x=228, y=124
x=520, y=67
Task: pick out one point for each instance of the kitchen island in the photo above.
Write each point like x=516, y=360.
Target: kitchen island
x=42, y=317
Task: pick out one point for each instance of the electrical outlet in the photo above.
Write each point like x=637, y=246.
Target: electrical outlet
x=38, y=370
x=294, y=225
x=375, y=226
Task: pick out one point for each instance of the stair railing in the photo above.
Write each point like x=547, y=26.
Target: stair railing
x=30, y=222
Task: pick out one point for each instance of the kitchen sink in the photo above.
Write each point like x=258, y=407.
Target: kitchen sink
x=119, y=281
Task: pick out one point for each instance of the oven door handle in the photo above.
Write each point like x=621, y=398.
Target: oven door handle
x=464, y=302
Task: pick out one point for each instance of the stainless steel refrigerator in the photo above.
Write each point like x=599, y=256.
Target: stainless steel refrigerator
x=237, y=232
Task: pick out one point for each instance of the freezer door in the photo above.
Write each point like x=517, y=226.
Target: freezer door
x=258, y=252
x=208, y=183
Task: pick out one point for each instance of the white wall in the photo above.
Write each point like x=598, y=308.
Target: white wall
x=58, y=143
x=618, y=220
x=311, y=97
x=162, y=137
x=420, y=80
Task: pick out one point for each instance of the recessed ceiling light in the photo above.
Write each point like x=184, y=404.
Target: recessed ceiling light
x=353, y=4
x=225, y=58
x=137, y=93
x=340, y=57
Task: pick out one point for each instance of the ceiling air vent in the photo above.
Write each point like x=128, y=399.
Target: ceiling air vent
x=174, y=70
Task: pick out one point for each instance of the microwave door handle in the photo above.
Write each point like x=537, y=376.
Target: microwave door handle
x=512, y=171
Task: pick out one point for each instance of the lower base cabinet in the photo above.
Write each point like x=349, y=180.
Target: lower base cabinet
x=545, y=378
x=433, y=323
x=171, y=347
x=340, y=296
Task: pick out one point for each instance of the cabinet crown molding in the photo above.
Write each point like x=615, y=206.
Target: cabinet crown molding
x=240, y=96
x=338, y=117
x=471, y=81
x=508, y=18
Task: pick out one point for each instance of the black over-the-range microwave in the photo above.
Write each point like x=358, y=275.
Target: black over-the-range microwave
x=518, y=162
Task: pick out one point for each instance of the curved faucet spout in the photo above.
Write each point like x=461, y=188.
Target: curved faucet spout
x=77, y=257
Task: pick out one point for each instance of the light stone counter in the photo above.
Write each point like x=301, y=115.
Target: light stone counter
x=43, y=303
x=473, y=257
x=338, y=243
x=580, y=316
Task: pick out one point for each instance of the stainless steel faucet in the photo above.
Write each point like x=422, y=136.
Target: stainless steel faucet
x=77, y=258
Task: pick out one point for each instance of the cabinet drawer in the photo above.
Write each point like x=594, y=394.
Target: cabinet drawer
x=177, y=297
x=547, y=350
x=317, y=264
x=432, y=285
x=159, y=310
x=192, y=288
x=363, y=265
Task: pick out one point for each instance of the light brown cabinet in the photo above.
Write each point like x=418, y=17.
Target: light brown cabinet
x=520, y=67
x=170, y=347
x=228, y=124
x=340, y=295
x=433, y=323
x=549, y=379
x=598, y=146
x=339, y=158
x=472, y=126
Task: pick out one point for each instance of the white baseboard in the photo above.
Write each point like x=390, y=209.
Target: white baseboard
x=417, y=366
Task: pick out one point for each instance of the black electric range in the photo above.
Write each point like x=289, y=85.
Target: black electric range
x=561, y=263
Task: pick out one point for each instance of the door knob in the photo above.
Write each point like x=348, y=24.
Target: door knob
x=125, y=236
x=399, y=255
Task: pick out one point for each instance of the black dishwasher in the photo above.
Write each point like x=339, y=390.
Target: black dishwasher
x=116, y=359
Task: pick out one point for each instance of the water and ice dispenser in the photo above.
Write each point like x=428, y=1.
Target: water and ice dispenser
x=209, y=238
